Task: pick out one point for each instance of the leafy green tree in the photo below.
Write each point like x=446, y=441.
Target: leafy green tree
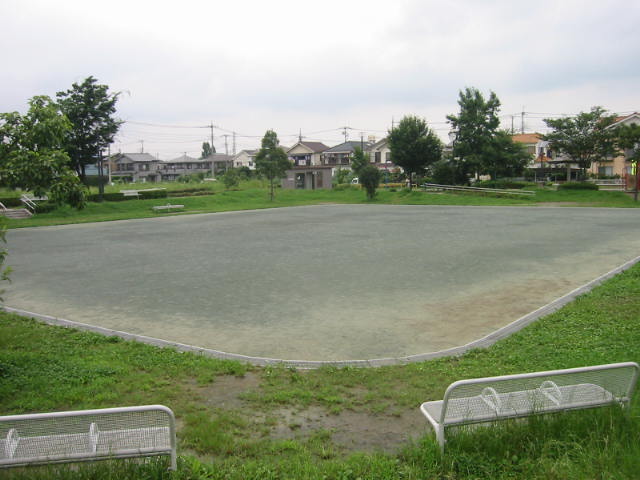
x=207, y=150
x=628, y=140
x=359, y=161
x=32, y=155
x=369, y=177
x=90, y=108
x=342, y=176
x=583, y=139
x=244, y=172
x=475, y=128
x=272, y=161
x=504, y=157
x=414, y=146
x=231, y=178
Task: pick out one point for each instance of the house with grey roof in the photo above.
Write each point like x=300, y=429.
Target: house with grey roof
x=184, y=165
x=134, y=167
x=219, y=162
x=340, y=156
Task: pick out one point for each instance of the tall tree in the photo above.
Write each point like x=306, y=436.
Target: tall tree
x=504, y=157
x=583, y=139
x=414, y=146
x=90, y=108
x=271, y=160
x=475, y=127
x=32, y=155
x=207, y=150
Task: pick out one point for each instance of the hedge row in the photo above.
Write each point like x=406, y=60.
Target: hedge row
x=119, y=197
x=11, y=202
x=503, y=184
x=578, y=186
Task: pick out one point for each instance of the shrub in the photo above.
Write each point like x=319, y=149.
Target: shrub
x=46, y=207
x=94, y=180
x=370, y=180
x=231, y=178
x=108, y=197
x=578, y=186
x=10, y=202
x=153, y=194
x=504, y=184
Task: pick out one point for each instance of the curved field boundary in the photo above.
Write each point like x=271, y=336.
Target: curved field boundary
x=484, y=342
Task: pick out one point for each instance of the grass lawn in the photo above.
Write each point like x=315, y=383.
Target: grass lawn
x=252, y=195
x=242, y=422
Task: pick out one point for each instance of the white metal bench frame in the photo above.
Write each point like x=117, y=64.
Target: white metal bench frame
x=53, y=443
x=546, y=392
x=168, y=207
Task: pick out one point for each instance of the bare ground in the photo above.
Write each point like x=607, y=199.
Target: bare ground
x=350, y=430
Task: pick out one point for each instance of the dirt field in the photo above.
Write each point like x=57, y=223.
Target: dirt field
x=330, y=282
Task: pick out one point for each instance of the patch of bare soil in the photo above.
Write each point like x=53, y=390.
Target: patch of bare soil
x=351, y=431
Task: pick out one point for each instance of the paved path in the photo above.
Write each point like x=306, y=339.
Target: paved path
x=330, y=282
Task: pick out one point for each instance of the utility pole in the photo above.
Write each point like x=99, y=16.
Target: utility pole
x=226, y=145
x=522, y=121
x=234, y=143
x=345, y=133
x=512, y=125
x=211, y=127
x=141, y=146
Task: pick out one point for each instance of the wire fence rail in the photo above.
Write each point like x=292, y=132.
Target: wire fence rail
x=438, y=187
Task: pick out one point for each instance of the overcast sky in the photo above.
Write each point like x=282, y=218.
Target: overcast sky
x=249, y=65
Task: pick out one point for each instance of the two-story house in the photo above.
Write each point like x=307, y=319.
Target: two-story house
x=184, y=165
x=340, y=156
x=306, y=154
x=245, y=158
x=134, y=167
x=616, y=165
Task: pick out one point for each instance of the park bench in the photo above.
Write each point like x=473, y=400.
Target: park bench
x=168, y=207
x=86, y=435
x=485, y=400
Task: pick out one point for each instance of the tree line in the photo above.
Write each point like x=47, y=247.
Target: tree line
x=47, y=149
x=480, y=147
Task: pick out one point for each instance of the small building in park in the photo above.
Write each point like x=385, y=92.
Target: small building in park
x=308, y=178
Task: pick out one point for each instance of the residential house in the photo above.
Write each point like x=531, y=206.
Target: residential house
x=219, y=162
x=380, y=155
x=184, y=165
x=544, y=162
x=305, y=154
x=618, y=165
x=135, y=167
x=340, y=156
x=245, y=158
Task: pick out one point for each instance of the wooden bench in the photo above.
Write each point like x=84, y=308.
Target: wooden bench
x=168, y=207
x=86, y=435
x=486, y=400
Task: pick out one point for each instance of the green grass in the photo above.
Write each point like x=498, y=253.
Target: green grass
x=252, y=195
x=44, y=368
